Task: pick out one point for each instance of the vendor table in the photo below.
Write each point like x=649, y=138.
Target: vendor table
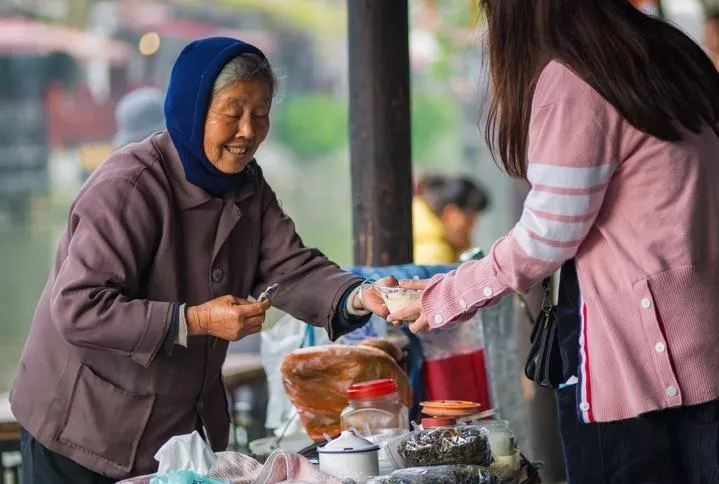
x=242, y=369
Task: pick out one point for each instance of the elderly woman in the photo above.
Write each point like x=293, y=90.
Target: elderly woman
x=163, y=245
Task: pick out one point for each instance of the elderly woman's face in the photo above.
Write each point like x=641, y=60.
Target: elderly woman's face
x=237, y=123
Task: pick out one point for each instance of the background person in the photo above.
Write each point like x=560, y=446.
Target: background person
x=444, y=213
x=139, y=114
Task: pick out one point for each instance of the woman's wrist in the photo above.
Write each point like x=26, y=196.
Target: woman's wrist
x=355, y=302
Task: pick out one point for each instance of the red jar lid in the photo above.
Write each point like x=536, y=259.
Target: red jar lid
x=372, y=389
x=433, y=422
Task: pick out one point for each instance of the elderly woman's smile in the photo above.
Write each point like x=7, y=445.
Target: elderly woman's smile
x=237, y=122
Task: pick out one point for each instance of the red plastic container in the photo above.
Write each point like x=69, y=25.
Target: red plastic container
x=462, y=377
x=372, y=389
x=434, y=422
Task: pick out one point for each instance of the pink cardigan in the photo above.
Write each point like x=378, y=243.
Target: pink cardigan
x=641, y=216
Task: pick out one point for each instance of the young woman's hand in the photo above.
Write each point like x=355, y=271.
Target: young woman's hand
x=413, y=313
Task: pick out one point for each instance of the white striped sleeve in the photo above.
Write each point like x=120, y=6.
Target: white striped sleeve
x=560, y=209
x=570, y=167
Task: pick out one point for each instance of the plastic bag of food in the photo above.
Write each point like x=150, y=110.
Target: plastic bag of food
x=445, y=474
x=316, y=382
x=278, y=341
x=468, y=445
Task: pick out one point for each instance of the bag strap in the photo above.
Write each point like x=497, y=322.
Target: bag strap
x=547, y=302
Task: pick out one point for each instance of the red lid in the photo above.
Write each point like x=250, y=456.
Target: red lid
x=372, y=389
x=432, y=422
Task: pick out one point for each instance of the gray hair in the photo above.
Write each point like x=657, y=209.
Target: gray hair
x=245, y=67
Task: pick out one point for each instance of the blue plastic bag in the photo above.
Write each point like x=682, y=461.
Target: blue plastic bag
x=184, y=477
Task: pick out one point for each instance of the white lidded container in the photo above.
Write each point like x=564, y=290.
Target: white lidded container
x=349, y=456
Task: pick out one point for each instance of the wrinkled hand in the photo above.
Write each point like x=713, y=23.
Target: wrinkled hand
x=413, y=313
x=372, y=299
x=227, y=317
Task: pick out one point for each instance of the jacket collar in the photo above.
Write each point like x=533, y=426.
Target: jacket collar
x=189, y=195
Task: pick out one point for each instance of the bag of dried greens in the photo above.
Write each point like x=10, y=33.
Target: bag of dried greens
x=468, y=445
x=449, y=474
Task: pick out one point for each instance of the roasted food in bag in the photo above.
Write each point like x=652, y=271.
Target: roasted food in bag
x=447, y=474
x=468, y=445
x=316, y=382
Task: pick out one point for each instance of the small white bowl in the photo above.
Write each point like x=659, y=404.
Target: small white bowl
x=397, y=298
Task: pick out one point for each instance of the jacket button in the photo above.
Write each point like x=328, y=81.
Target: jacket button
x=217, y=275
x=238, y=211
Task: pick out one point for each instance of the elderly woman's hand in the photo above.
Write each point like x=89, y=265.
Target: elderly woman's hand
x=369, y=299
x=227, y=317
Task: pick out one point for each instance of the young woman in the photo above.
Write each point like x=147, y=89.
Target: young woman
x=611, y=115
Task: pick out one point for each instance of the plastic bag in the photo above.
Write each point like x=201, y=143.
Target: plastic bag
x=463, y=339
x=387, y=447
x=280, y=340
x=468, y=445
x=454, y=363
x=316, y=382
x=289, y=334
x=444, y=474
x=184, y=477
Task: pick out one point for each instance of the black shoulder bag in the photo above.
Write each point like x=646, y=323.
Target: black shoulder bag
x=544, y=362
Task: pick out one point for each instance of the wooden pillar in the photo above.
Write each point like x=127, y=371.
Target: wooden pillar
x=380, y=150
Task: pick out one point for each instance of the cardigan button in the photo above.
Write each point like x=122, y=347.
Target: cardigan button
x=463, y=304
x=438, y=319
x=660, y=347
x=488, y=292
x=672, y=392
x=584, y=406
x=217, y=275
x=646, y=303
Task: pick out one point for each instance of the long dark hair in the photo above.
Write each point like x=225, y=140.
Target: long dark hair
x=654, y=75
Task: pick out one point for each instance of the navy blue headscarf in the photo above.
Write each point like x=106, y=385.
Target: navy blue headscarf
x=187, y=101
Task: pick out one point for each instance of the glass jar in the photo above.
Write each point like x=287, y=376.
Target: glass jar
x=375, y=409
x=501, y=438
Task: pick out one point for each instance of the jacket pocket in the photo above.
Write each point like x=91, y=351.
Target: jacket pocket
x=105, y=420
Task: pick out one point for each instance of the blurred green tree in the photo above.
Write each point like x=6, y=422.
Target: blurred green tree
x=312, y=125
x=433, y=117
